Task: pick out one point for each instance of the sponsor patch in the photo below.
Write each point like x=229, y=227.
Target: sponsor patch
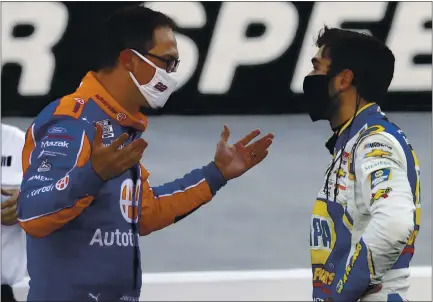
x=44, y=167
x=107, y=128
x=121, y=116
x=340, y=173
x=61, y=144
x=380, y=176
x=42, y=190
x=40, y=178
x=51, y=153
x=57, y=130
x=377, y=165
x=379, y=194
x=376, y=145
x=62, y=183
x=378, y=153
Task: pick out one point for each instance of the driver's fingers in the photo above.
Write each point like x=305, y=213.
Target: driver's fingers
x=225, y=134
x=262, y=143
x=118, y=142
x=132, y=159
x=249, y=137
x=260, y=151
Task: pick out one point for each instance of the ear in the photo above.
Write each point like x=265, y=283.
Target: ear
x=126, y=60
x=345, y=79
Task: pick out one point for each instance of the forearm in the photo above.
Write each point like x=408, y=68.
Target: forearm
x=45, y=206
x=171, y=202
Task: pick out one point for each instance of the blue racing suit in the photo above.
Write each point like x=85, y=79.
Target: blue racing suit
x=82, y=232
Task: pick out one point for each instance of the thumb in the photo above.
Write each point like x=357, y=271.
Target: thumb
x=225, y=134
x=97, y=140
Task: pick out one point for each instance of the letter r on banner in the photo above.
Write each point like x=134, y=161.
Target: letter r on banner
x=33, y=53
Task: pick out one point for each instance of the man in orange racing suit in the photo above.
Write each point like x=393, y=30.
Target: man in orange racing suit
x=85, y=198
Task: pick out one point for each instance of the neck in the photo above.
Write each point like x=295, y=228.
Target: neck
x=112, y=82
x=345, y=112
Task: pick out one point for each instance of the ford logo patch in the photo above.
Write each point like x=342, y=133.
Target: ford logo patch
x=54, y=130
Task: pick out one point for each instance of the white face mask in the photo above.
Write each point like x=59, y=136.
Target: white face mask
x=159, y=89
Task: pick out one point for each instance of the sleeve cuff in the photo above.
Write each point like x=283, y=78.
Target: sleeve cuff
x=214, y=177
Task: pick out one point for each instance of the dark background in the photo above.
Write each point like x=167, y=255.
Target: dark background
x=251, y=91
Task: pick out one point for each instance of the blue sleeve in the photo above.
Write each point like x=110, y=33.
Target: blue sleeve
x=209, y=173
x=59, y=181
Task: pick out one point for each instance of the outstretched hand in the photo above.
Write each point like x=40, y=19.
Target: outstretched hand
x=235, y=160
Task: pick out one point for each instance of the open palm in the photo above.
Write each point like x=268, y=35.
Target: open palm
x=235, y=160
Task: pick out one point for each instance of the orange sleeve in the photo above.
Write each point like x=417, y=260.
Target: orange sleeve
x=164, y=205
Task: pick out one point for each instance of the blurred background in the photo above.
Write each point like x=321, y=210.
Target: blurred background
x=242, y=63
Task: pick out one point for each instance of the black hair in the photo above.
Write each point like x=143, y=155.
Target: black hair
x=130, y=27
x=370, y=60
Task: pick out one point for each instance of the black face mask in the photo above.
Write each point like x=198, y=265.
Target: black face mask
x=318, y=102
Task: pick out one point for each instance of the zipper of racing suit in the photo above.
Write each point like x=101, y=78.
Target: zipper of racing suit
x=135, y=174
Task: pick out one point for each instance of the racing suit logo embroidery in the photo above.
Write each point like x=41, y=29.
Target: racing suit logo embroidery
x=61, y=144
x=322, y=276
x=39, y=177
x=57, y=130
x=342, y=282
x=376, y=145
x=44, y=167
x=340, y=173
x=107, y=128
x=42, y=190
x=378, y=153
x=96, y=298
x=62, y=183
x=127, y=207
x=382, y=193
x=121, y=116
x=380, y=176
x=160, y=87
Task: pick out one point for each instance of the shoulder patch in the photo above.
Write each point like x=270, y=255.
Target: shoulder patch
x=380, y=176
x=70, y=105
x=378, y=153
x=380, y=194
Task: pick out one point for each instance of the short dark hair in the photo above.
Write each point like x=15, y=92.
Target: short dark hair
x=130, y=27
x=370, y=60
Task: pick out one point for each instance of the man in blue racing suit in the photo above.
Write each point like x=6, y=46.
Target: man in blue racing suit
x=85, y=197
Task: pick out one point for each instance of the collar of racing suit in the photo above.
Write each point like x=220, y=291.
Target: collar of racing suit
x=330, y=144
x=90, y=88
